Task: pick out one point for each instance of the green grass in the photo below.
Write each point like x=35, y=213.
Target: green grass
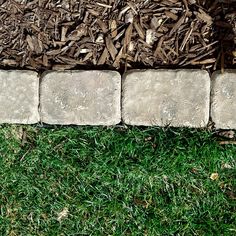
x=104, y=181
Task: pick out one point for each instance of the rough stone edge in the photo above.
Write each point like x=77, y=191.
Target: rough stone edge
x=117, y=101
x=40, y=77
x=37, y=116
x=206, y=116
x=214, y=76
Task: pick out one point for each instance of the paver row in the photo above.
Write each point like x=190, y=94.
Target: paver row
x=179, y=98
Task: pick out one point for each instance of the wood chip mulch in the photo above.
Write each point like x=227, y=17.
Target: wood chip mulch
x=67, y=34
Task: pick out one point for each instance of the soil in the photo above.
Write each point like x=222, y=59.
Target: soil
x=117, y=34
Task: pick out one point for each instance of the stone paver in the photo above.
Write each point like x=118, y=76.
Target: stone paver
x=166, y=97
x=223, y=106
x=80, y=98
x=19, y=97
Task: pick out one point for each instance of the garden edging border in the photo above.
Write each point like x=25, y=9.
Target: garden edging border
x=178, y=98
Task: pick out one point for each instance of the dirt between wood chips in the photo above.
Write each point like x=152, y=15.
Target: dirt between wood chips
x=117, y=34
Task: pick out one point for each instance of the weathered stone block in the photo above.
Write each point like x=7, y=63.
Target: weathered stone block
x=166, y=97
x=19, y=97
x=223, y=104
x=80, y=98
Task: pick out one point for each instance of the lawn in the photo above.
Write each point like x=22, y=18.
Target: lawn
x=115, y=181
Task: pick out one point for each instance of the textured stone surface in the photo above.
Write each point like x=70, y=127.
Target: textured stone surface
x=223, y=106
x=19, y=98
x=81, y=98
x=166, y=97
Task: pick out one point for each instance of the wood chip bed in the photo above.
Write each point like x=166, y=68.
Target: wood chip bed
x=70, y=34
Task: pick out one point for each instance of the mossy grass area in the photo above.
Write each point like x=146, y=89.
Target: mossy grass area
x=115, y=181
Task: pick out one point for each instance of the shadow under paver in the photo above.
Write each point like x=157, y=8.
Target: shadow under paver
x=166, y=97
x=19, y=97
x=80, y=98
x=223, y=106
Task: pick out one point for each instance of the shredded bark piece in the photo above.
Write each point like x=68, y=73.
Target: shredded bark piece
x=67, y=34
